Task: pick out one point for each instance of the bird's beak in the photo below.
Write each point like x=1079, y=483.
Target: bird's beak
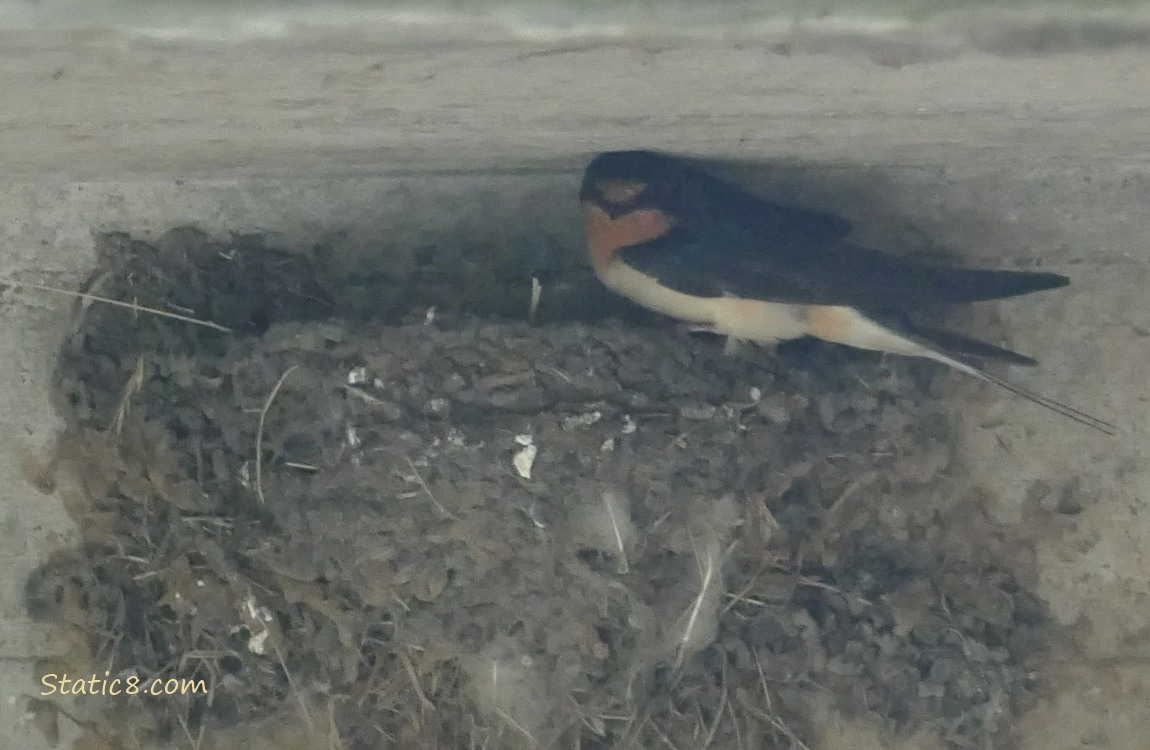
x=536, y=296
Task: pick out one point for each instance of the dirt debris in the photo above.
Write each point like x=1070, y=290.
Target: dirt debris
x=699, y=541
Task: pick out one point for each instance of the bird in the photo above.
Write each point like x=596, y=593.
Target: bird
x=672, y=237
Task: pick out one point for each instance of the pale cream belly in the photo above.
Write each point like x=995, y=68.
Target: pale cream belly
x=765, y=322
x=745, y=319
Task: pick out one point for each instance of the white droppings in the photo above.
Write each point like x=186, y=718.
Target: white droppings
x=525, y=457
x=257, y=642
x=581, y=420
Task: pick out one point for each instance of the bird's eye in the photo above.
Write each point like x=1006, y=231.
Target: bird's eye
x=621, y=191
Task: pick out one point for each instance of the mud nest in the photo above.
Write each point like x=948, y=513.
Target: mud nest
x=446, y=530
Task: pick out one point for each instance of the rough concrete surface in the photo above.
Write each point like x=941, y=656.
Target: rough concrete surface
x=1009, y=160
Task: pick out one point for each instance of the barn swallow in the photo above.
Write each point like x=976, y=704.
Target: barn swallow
x=678, y=240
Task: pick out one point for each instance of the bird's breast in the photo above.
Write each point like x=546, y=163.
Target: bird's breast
x=606, y=236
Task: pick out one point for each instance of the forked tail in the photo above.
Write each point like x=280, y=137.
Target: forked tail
x=964, y=353
x=1057, y=407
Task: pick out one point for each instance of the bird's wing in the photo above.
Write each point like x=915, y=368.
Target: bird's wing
x=715, y=258
x=697, y=197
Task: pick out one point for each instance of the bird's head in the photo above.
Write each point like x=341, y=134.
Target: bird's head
x=623, y=201
x=622, y=181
